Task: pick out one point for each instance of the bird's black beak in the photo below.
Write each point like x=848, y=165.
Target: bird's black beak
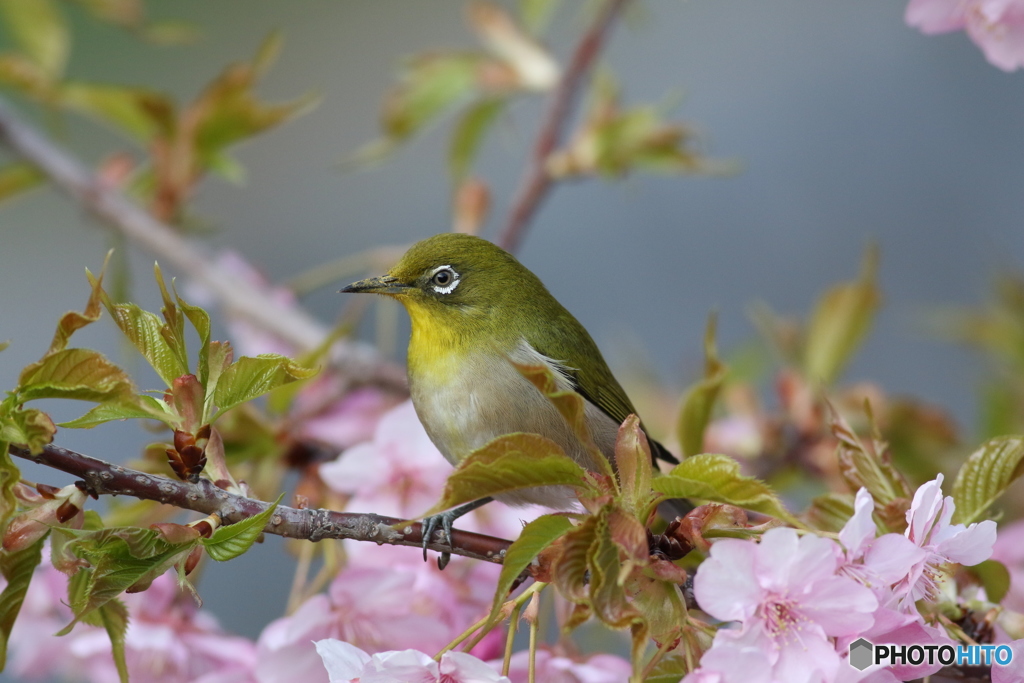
x=385, y=284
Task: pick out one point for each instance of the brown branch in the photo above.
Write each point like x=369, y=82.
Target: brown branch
x=358, y=362
x=536, y=182
x=312, y=525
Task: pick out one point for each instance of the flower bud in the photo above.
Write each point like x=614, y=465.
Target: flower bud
x=28, y=527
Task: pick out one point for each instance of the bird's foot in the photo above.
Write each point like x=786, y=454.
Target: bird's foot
x=444, y=522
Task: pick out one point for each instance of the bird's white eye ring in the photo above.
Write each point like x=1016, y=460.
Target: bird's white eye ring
x=444, y=280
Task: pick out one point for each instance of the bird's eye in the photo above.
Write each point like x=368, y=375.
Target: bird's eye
x=444, y=280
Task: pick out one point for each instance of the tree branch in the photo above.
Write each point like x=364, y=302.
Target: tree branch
x=536, y=181
x=358, y=362
x=312, y=525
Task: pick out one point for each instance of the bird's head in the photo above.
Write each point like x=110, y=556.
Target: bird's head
x=452, y=275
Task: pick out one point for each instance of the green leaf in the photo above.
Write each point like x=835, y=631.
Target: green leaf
x=668, y=670
x=119, y=558
x=871, y=467
x=830, y=511
x=17, y=569
x=171, y=32
x=840, y=321
x=72, y=321
x=469, y=134
x=717, y=478
x=143, y=407
x=633, y=460
x=141, y=114
x=174, y=329
x=509, y=463
x=145, y=331
x=200, y=320
x=535, y=537
x=228, y=542
x=700, y=399
x=30, y=427
x=19, y=177
x=40, y=30
x=570, y=570
x=985, y=475
x=607, y=595
x=9, y=477
x=81, y=374
x=228, y=112
x=114, y=618
x=429, y=85
x=994, y=578
x=249, y=378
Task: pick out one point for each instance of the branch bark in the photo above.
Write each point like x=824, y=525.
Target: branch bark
x=358, y=362
x=536, y=182
x=103, y=478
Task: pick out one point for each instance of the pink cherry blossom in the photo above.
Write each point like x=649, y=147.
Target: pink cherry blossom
x=168, y=638
x=929, y=527
x=407, y=477
x=379, y=606
x=996, y=26
x=789, y=601
x=1012, y=672
x=552, y=667
x=345, y=663
x=341, y=422
x=878, y=563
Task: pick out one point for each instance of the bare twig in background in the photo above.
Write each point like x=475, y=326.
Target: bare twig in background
x=313, y=525
x=536, y=181
x=358, y=362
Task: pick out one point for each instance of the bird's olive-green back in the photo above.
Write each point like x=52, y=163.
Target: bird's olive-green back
x=499, y=301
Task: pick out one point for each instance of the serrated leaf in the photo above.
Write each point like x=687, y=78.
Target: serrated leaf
x=633, y=460
x=570, y=569
x=469, y=134
x=986, y=474
x=173, y=330
x=840, y=321
x=535, y=537
x=717, y=478
x=114, y=618
x=72, y=321
x=39, y=28
x=871, y=467
x=509, y=463
x=248, y=378
x=607, y=595
x=145, y=331
x=699, y=403
x=200, y=320
x=29, y=427
x=119, y=558
x=142, y=407
x=81, y=374
x=830, y=512
x=17, y=569
x=228, y=542
x=17, y=178
x=9, y=477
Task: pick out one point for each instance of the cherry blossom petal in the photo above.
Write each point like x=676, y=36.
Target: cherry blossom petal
x=725, y=585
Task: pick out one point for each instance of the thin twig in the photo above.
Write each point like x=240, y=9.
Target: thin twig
x=358, y=362
x=312, y=525
x=536, y=181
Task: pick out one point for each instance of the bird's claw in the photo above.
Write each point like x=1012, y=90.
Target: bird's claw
x=445, y=520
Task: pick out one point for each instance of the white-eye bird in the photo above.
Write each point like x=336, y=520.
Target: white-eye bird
x=475, y=308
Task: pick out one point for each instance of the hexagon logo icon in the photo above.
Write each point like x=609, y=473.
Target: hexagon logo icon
x=861, y=654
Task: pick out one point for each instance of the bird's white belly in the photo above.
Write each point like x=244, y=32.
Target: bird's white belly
x=483, y=396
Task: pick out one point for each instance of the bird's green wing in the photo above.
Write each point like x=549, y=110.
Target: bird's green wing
x=572, y=346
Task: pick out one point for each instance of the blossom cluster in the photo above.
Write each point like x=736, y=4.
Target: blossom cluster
x=800, y=601
x=996, y=26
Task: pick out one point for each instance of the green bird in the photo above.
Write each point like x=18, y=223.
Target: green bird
x=474, y=308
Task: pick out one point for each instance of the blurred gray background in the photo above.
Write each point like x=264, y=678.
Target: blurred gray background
x=849, y=128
